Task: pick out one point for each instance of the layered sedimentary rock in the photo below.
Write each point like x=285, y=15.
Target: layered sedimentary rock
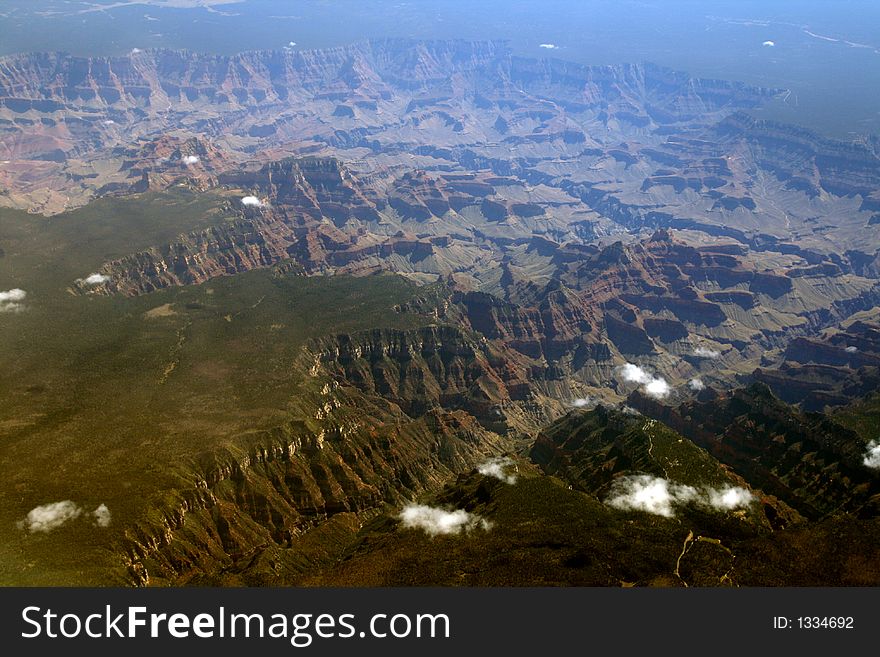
x=399, y=414
x=560, y=220
x=830, y=369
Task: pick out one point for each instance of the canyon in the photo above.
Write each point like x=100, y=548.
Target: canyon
x=302, y=289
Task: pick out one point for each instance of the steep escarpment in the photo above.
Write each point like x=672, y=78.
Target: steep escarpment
x=290, y=226
x=65, y=119
x=807, y=460
x=564, y=527
x=231, y=248
x=154, y=78
x=350, y=448
x=659, y=299
x=567, y=311
x=804, y=160
x=830, y=369
x=599, y=146
x=549, y=532
x=318, y=187
x=433, y=367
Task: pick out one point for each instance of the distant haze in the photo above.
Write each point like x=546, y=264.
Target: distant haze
x=827, y=53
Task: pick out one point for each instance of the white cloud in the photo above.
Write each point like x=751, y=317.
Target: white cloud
x=629, y=410
x=728, y=499
x=658, y=388
x=135, y=51
x=496, y=468
x=109, y=122
x=696, y=385
x=10, y=301
x=93, y=279
x=661, y=496
x=291, y=44
x=549, y=46
x=769, y=44
x=437, y=521
x=47, y=517
x=705, y=352
x=191, y=159
x=634, y=374
x=15, y=294
x=654, y=386
x=872, y=455
x=102, y=516
x=252, y=201
x=649, y=494
x=581, y=402
x=851, y=350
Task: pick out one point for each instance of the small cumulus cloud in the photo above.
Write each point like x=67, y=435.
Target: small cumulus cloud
x=497, y=467
x=191, y=159
x=10, y=300
x=93, y=279
x=135, y=51
x=696, y=385
x=47, y=517
x=653, y=386
x=102, y=516
x=436, y=521
x=705, y=352
x=581, y=402
x=872, y=455
x=549, y=46
x=252, y=201
x=628, y=410
x=728, y=499
x=634, y=374
x=768, y=44
x=109, y=122
x=657, y=388
x=649, y=494
x=661, y=497
x=851, y=350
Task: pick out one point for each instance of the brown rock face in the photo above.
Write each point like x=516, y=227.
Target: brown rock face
x=332, y=99
x=808, y=161
x=400, y=412
x=829, y=370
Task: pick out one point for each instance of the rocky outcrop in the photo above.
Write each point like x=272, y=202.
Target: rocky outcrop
x=807, y=161
x=592, y=449
x=328, y=100
x=434, y=367
x=809, y=461
x=239, y=505
x=829, y=370
x=398, y=414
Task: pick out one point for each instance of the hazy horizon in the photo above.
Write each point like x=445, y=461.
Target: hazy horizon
x=827, y=56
